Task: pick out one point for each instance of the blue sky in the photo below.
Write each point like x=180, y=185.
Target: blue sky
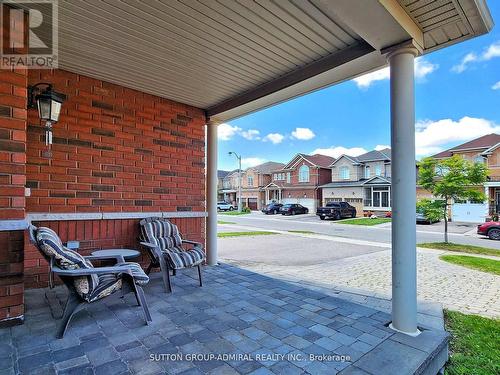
x=457, y=99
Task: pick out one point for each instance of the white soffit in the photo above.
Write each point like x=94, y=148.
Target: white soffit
x=232, y=57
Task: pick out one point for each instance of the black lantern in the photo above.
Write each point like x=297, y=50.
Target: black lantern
x=49, y=105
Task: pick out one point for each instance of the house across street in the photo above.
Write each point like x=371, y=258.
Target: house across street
x=363, y=181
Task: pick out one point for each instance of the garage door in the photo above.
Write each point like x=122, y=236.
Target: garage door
x=469, y=212
x=306, y=202
x=252, y=203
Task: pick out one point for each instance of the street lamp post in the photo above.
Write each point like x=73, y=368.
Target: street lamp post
x=239, y=178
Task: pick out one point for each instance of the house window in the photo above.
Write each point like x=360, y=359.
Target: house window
x=288, y=177
x=250, y=180
x=378, y=170
x=344, y=173
x=479, y=159
x=367, y=172
x=368, y=197
x=304, y=173
x=377, y=196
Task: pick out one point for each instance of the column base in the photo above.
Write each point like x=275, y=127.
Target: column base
x=412, y=334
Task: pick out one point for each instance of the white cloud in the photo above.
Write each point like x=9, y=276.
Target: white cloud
x=251, y=162
x=459, y=68
x=365, y=81
x=432, y=136
x=274, y=138
x=303, y=134
x=225, y=131
x=381, y=147
x=422, y=69
x=336, y=151
x=250, y=134
x=492, y=51
x=496, y=86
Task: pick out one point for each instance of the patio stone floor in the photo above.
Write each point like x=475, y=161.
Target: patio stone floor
x=239, y=322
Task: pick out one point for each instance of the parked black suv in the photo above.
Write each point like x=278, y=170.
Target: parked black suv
x=272, y=209
x=336, y=210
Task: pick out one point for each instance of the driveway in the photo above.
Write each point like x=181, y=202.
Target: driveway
x=287, y=250
x=361, y=270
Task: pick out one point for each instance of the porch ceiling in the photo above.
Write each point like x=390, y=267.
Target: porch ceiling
x=231, y=57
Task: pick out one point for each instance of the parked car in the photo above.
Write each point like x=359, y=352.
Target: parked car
x=422, y=219
x=336, y=210
x=490, y=229
x=224, y=206
x=272, y=209
x=293, y=209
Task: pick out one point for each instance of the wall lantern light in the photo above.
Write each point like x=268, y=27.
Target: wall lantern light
x=49, y=105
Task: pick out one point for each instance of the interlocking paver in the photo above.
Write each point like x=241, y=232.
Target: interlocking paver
x=282, y=319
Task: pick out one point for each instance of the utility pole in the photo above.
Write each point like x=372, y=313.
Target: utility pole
x=239, y=179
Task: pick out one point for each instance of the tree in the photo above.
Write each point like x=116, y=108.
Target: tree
x=450, y=180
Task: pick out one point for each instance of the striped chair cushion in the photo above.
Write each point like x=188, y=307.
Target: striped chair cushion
x=108, y=284
x=140, y=276
x=51, y=245
x=161, y=233
x=179, y=258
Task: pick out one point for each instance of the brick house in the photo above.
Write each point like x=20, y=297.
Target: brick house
x=253, y=181
x=485, y=149
x=229, y=188
x=363, y=181
x=221, y=175
x=299, y=180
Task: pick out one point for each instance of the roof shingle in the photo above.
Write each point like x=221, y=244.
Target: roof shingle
x=486, y=141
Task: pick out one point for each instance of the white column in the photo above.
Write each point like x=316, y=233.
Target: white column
x=404, y=257
x=211, y=192
x=487, y=194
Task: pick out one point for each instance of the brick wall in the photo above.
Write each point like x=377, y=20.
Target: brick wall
x=12, y=179
x=115, y=149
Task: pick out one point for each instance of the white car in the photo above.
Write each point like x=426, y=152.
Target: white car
x=224, y=206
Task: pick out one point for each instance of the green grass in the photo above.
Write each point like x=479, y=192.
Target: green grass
x=301, y=231
x=225, y=222
x=460, y=248
x=233, y=213
x=480, y=264
x=239, y=234
x=474, y=348
x=366, y=221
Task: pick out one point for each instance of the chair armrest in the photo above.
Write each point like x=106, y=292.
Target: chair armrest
x=118, y=258
x=148, y=244
x=153, y=249
x=194, y=243
x=91, y=271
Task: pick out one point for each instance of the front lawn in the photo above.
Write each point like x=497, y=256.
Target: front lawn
x=366, y=221
x=460, y=248
x=474, y=345
x=234, y=213
x=480, y=264
x=225, y=222
x=240, y=234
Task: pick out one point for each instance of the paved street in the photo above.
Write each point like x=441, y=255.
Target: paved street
x=356, y=261
x=458, y=232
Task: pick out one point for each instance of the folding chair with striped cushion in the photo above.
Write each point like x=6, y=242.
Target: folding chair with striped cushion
x=166, y=248
x=86, y=283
